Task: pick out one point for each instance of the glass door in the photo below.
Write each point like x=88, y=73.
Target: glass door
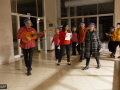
x=14, y=31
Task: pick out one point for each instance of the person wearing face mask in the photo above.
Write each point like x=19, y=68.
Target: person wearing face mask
x=92, y=46
x=27, y=48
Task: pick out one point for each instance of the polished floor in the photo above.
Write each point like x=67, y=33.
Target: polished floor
x=47, y=76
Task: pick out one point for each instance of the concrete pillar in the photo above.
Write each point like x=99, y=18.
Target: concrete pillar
x=51, y=15
x=69, y=20
x=116, y=12
x=59, y=12
x=75, y=14
x=6, y=37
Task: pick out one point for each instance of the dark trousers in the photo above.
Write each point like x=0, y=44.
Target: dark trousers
x=88, y=59
x=78, y=48
x=57, y=52
x=74, y=48
x=81, y=50
x=116, y=44
x=28, y=54
x=62, y=51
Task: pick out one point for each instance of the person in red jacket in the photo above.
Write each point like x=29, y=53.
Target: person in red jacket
x=64, y=44
x=56, y=41
x=27, y=48
x=74, y=41
x=81, y=37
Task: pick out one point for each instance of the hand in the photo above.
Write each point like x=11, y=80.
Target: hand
x=109, y=34
x=77, y=43
x=28, y=38
x=70, y=35
x=45, y=32
x=106, y=34
x=66, y=36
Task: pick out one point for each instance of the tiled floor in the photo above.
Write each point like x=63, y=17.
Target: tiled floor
x=47, y=76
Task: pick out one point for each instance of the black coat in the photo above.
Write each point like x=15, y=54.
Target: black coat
x=96, y=44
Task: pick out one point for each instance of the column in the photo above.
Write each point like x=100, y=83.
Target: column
x=69, y=20
x=45, y=26
x=116, y=12
x=59, y=12
x=75, y=14
x=6, y=37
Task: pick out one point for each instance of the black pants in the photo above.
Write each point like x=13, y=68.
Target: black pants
x=116, y=44
x=62, y=50
x=74, y=48
x=81, y=50
x=88, y=59
x=57, y=52
x=112, y=46
x=28, y=58
x=78, y=48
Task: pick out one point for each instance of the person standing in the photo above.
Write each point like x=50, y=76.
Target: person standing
x=28, y=48
x=111, y=44
x=74, y=41
x=92, y=46
x=56, y=41
x=117, y=35
x=81, y=39
x=64, y=44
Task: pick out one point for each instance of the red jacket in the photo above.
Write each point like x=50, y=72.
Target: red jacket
x=62, y=38
x=81, y=35
x=31, y=43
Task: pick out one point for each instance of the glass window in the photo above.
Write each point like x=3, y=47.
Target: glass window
x=72, y=11
x=87, y=10
x=90, y=20
x=104, y=8
x=22, y=19
x=14, y=31
x=41, y=29
x=64, y=10
x=13, y=6
x=40, y=8
x=104, y=27
x=27, y=7
x=76, y=22
x=64, y=21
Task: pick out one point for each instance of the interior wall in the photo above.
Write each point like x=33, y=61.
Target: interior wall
x=51, y=15
x=116, y=12
x=6, y=37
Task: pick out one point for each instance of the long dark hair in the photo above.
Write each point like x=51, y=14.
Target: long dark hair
x=73, y=30
x=63, y=28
